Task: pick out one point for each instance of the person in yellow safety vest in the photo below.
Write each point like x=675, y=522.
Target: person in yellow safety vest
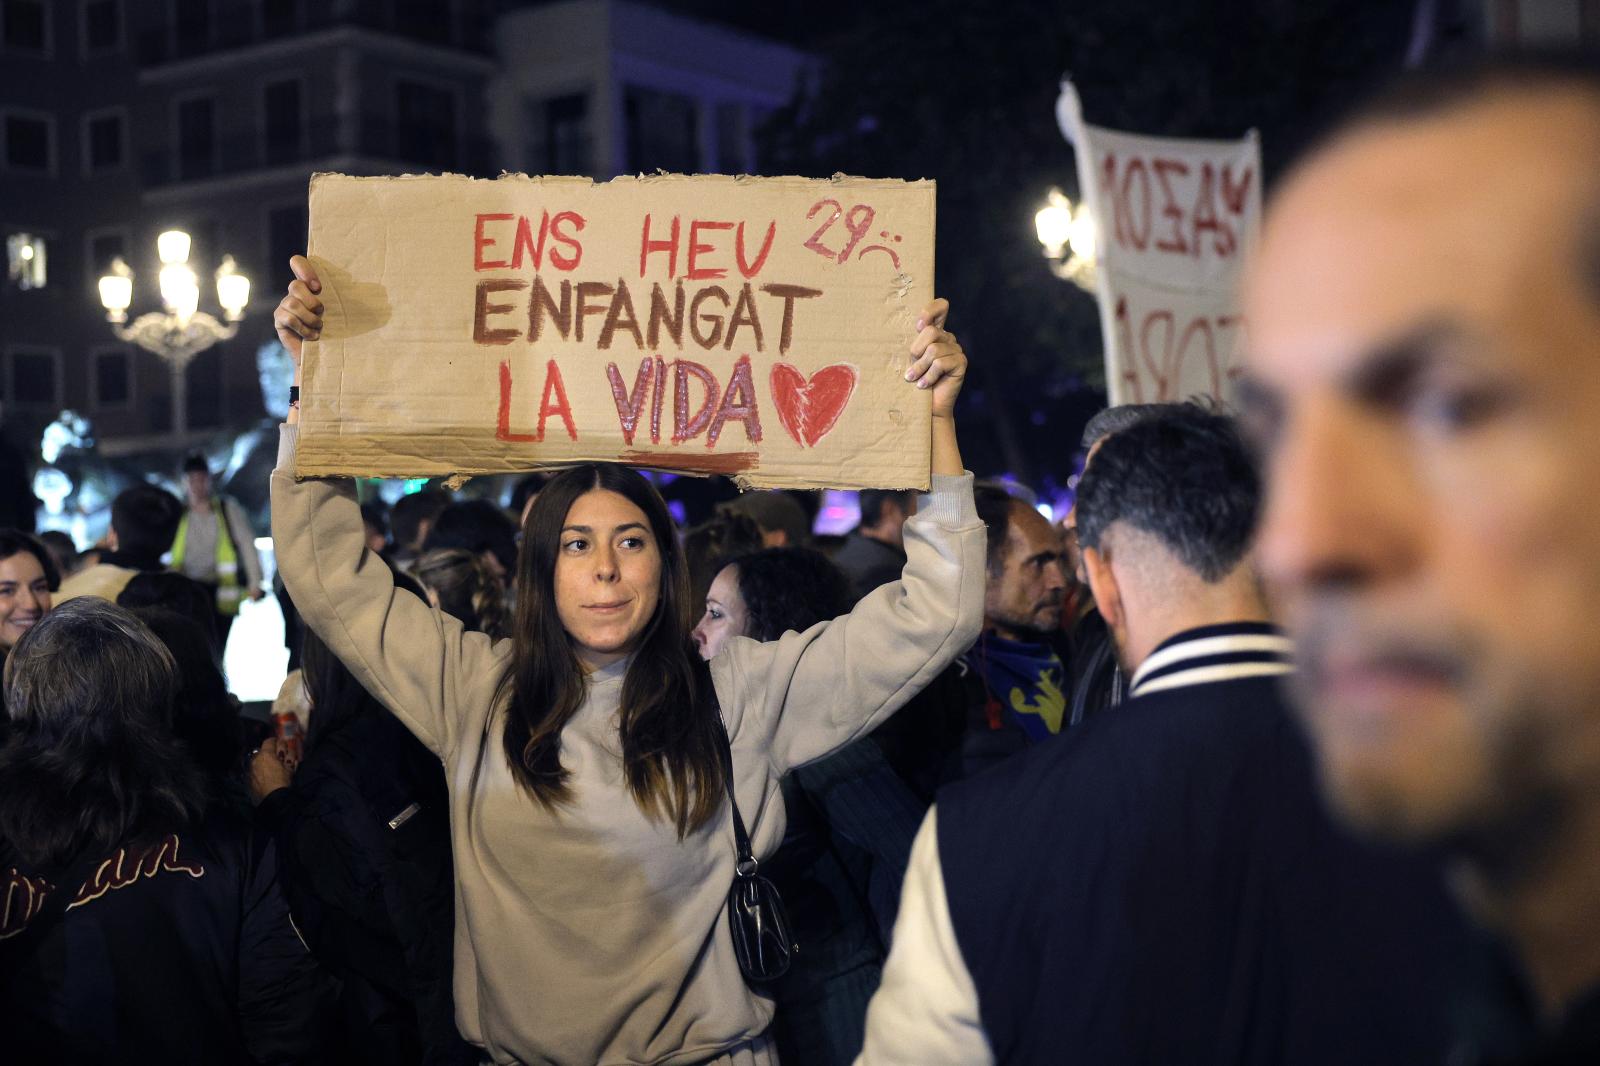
x=221, y=554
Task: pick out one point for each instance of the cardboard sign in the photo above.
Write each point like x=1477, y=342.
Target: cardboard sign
x=755, y=327
x=1173, y=219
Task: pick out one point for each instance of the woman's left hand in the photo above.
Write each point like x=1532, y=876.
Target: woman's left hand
x=938, y=363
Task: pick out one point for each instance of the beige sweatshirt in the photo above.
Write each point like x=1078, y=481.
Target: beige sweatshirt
x=592, y=935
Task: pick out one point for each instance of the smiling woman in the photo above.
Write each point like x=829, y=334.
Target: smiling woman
x=27, y=578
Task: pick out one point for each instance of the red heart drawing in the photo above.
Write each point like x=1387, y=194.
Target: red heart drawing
x=808, y=409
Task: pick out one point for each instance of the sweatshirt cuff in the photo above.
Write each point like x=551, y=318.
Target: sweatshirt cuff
x=288, y=438
x=948, y=502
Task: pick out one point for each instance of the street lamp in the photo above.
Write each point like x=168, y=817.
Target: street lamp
x=182, y=331
x=1068, y=236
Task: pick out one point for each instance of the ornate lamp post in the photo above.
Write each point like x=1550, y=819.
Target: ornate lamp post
x=1068, y=236
x=181, y=332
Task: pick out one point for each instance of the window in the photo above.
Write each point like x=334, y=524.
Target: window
x=563, y=124
x=102, y=26
x=731, y=157
x=191, y=26
x=662, y=131
x=281, y=121
x=27, y=261
x=197, y=138
x=280, y=17
x=30, y=142
x=33, y=377
x=425, y=125
x=25, y=25
x=286, y=236
x=104, y=141
x=113, y=378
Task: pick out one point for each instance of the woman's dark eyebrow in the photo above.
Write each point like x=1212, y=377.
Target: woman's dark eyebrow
x=618, y=529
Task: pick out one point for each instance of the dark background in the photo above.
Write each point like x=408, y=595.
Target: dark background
x=965, y=94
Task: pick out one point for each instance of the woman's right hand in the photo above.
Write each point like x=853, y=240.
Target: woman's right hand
x=269, y=770
x=298, y=317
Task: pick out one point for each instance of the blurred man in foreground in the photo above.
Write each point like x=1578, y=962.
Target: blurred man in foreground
x=1425, y=392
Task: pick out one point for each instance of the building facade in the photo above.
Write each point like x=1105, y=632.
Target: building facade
x=608, y=87
x=124, y=119
x=120, y=119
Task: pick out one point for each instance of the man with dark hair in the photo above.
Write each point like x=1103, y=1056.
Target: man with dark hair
x=782, y=520
x=524, y=492
x=477, y=526
x=1098, y=682
x=874, y=552
x=144, y=520
x=1007, y=691
x=376, y=523
x=1426, y=417
x=1104, y=423
x=410, y=519
x=1165, y=886
x=62, y=550
x=1015, y=680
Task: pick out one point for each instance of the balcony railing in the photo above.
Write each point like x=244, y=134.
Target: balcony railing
x=240, y=23
x=378, y=137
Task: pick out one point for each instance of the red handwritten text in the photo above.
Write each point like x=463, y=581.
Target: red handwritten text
x=1152, y=206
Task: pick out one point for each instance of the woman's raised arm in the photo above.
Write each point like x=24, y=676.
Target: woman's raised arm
x=808, y=694
x=410, y=656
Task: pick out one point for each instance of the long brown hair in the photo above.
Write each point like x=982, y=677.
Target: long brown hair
x=671, y=753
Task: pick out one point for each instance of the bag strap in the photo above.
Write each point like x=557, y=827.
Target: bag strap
x=746, y=865
x=73, y=875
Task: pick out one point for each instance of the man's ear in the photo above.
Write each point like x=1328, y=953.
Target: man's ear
x=1103, y=586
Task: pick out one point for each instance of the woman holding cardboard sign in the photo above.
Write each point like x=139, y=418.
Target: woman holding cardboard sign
x=595, y=842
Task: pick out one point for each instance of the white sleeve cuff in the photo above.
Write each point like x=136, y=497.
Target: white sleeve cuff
x=925, y=1012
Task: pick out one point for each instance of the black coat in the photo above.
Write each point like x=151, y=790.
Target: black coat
x=181, y=951
x=1164, y=885
x=375, y=901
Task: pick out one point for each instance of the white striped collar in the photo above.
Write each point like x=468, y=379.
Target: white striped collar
x=1213, y=653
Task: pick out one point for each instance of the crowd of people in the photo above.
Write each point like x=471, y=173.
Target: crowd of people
x=1283, y=746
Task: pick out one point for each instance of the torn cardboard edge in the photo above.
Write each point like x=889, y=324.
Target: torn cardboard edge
x=402, y=296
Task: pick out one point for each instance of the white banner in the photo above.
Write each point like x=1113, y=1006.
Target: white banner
x=1173, y=221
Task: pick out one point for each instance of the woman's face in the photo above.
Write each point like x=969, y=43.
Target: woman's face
x=726, y=615
x=24, y=597
x=608, y=576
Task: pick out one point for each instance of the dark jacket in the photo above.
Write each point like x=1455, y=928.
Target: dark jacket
x=850, y=824
x=175, y=950
x=1097, y=681
x=1164, y=885
x=960, y=725
x=365, y=845
x=868, y=563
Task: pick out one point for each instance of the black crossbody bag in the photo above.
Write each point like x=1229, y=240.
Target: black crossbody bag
x=756, y=918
